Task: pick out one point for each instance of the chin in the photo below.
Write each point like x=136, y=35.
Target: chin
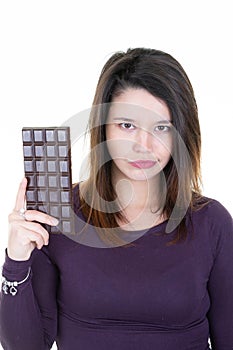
x=142, y=176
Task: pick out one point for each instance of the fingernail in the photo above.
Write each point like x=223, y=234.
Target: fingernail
x=54, y=221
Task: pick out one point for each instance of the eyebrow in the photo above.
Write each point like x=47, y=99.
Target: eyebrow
x=165, y=121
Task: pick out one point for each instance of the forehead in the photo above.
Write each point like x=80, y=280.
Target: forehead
x=138, y=105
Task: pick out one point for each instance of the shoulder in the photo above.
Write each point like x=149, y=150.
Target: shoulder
x=214, y=221
x=215, y=212
x=209, y=208
x=78, y=188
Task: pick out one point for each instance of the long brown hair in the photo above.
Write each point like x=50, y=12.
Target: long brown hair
x=163, y=77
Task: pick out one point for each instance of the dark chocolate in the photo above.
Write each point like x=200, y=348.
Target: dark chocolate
x=47, y=166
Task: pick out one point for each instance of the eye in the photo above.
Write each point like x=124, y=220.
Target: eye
x=127, y=126
x=162, y=128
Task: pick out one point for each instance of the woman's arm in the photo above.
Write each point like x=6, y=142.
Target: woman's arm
x=221, y=283
x=28, y=320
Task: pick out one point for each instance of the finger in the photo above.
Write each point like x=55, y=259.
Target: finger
x=31, y=236
x=35, y=215
x=20, y=199
x=35, y=228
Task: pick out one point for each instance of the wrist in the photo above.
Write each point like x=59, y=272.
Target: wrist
x=16, y=257
x=14, y=269
x=11, y=287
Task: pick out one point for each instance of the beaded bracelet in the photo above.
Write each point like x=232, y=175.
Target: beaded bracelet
x=11, y=287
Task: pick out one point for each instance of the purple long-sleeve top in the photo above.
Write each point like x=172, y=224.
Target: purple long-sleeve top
x=142, y=297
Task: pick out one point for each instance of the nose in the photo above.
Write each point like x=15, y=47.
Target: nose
x=143, y=141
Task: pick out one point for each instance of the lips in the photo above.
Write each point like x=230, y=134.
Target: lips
x=143, y=164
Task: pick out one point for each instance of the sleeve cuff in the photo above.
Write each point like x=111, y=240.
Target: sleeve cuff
x=16, y=270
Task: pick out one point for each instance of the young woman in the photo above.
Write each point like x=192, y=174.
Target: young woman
x=161, y=275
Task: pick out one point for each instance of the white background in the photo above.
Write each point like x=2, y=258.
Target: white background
x=52, y=53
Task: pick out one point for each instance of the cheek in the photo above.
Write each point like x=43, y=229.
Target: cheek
x=109, y=140
x=163, y=146
x=118, y=148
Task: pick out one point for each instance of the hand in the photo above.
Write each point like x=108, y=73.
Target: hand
x=24, y=233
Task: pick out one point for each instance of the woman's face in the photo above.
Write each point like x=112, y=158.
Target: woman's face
x=138, y=134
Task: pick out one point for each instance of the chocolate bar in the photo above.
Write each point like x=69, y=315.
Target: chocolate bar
x=47, y=167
